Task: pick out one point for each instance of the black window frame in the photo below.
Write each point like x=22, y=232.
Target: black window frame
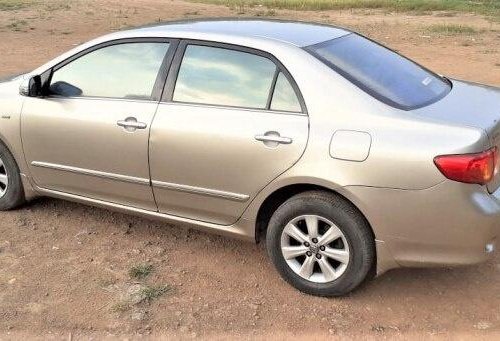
x=168, y=93
x=366, y=89
x=161, y=76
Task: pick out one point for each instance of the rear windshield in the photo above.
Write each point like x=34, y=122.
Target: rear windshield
x=382, y=73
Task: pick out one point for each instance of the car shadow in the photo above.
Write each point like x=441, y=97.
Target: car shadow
x=476, y=281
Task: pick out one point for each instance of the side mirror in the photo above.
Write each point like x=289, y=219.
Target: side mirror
x=31, y=87
x=65, y=89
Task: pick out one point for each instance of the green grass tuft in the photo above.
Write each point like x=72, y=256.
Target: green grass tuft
x=140, y=271
x=150, y=293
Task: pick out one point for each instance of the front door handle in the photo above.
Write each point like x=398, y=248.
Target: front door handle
x=273, y=138
x=131, y=124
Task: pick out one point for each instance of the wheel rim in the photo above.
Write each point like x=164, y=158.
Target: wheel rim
x=4, y=179
x=315, y=248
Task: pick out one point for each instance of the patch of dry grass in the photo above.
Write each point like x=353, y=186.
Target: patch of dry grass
x=9, y=5
x=140, y=271
x=452, y=29
x=18, y=26
x=486, y=7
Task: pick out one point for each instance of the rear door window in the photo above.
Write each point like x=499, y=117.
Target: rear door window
x=220, y=76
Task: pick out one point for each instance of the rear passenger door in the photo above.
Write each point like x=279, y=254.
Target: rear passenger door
x=230, y=121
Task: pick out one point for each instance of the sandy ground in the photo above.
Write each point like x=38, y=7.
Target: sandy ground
x=64, y=267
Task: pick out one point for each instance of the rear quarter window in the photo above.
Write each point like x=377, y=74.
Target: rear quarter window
x=384, y=74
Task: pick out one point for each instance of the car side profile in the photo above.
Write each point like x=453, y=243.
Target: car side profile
x=347, y=158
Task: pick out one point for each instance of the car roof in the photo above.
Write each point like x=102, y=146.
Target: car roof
x=300, y=34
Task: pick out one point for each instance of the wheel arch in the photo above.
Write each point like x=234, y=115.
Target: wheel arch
x=19, y=159
x=277, y=197
x=10, y=137
x=17, y=153
x=3, y=141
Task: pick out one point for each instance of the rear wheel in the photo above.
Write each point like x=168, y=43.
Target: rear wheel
x=321, y=244
x=11, y=189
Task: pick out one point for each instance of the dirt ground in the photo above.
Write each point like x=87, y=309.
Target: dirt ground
x=64, y=267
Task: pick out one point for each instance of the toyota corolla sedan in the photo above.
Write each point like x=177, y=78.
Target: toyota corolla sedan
x=347, y=158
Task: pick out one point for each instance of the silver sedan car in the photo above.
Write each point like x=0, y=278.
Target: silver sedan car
x=346, y=157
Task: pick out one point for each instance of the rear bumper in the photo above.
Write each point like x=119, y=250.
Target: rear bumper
x=448, y=224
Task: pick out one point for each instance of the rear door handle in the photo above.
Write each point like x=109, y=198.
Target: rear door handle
x=130, y=124
x=273, y=137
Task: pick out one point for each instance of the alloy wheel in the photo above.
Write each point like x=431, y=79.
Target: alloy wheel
x=315, y=248
x=4, y=179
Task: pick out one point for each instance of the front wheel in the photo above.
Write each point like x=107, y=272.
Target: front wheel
x=321, y=244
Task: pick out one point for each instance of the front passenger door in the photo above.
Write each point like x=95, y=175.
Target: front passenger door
x=90, y=135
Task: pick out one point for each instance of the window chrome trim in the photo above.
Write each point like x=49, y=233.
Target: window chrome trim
x=89, y=172
x=97, y=98
x=227, y=107
x=201, y=191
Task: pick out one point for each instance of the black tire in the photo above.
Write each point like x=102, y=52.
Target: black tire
x=14, y=195
x=347, y=218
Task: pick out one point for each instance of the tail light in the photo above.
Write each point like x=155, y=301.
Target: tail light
x=478, y=168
